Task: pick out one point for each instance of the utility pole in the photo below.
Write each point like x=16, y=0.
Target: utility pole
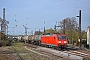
x=13, y=30
x=55, y=28
x=25, y=29
x=64, y=26
x=80, y=38
x=7, y=31
x=61, y=26
x=44, y=28
x=3, y=28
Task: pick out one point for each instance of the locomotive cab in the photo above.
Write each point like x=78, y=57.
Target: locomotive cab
x=62, y=41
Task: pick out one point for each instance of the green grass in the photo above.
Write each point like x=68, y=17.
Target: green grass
x=27, y=56
x=19, y=47
x=24, y=53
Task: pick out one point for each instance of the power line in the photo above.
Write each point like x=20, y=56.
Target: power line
x=85, y=20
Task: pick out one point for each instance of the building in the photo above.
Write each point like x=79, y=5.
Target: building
x=88, y=36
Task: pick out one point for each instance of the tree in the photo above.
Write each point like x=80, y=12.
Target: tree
x=84, y=35
x=37, y=33
x=70, y=26
x=84, y=39
x=50, y=31
x=72, y=36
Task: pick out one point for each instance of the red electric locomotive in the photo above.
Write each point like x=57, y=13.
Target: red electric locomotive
x=55, y=40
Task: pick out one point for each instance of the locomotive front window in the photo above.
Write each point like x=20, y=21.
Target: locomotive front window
x=61, y=37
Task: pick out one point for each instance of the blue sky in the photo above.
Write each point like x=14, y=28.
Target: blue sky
x=33, y=13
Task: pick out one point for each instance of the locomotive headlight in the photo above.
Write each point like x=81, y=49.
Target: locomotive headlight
x=59, y=41
x=65, y=41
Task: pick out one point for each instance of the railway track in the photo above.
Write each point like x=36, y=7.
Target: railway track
x=33, y=54
x=68, y=54
x=45, y=52
x=33, y=48
x=72, y=54
x=80, y=54
x=20, y=58
x=19, y=54
x=42, y=53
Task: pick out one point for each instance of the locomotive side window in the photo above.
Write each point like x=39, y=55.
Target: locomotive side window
x=61, y=37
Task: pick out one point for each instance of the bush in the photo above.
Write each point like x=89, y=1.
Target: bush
x=8, y=43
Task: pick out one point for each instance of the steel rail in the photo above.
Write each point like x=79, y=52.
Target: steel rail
x=17, y=53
